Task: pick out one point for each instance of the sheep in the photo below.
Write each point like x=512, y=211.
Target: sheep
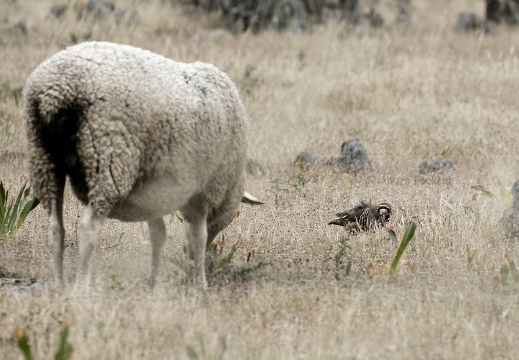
x=139, y=136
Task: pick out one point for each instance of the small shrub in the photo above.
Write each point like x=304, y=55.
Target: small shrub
x=301, y=178
x=14, y=212
x=64, y=351
x=507, y=270
x=338, y=258
x=248, y=81
x=15, y=93
x=276, y=188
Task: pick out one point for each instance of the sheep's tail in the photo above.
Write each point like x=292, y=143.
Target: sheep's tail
x=52, y=123
x=48, y=96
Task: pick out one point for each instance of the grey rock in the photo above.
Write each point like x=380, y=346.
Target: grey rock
x=58, y=10
x=22, y=284
x=20, y=28
x=438, y=166
x=353, y=157
x=443, y=165
x=403, y=17
x=375, y=18
x=469, y=22
x=304, y=158
x=502, y=11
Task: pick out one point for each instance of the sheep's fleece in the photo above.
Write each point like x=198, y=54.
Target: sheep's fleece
x=138, y=135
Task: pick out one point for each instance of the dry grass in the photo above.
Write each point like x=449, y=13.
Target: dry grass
x=405, y=93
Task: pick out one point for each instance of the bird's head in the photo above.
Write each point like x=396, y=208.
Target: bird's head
x=384, y=210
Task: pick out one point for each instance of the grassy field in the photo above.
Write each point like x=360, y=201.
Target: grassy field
x=405, y=93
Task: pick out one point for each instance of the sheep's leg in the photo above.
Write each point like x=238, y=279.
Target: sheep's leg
x=196, y=234
x=57, y=236
x=90, y=228
x=157, y=231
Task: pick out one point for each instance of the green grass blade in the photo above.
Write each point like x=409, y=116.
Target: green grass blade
x=513, y=267
x=28, y=207
x=5, y=221
x=3, y=200
x=14, y=211
x=191, y=353
x=392, y=236
x=228, y=257
x=404, y=241
x=23, y=343
x=65, y=348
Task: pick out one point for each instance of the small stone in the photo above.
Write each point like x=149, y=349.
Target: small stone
x=304, y=158
x=58, y=10
x=353, y=157
x=443, y=165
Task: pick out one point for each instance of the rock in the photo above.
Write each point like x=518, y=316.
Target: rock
x=506, y=11
x=20, y=28
x=351, y=11
x=353, y=157
x=21, y=284
x=375, y=19
x=58, y=10
x=493, y=10
x=443, y=165
x=469, y=22
x=403, y=17
x=439, y=166
x=304, y=158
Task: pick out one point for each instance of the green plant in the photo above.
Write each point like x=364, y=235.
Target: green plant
x=444, y=152
x=23, y=343
x=301, y=178
x=509, y=268
x=248, y=81
x=202, y=354
x=504, y=191
x=64, y=351
x=227, y=259
x=220, y=261
x=343, y=241
x=115, y=283
x=14, y=212
x=7, y=91
x=276, y=188
x=406, y=238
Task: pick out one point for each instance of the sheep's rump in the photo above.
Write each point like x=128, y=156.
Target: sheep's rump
x=138, y=135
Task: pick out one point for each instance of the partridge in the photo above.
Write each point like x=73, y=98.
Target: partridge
x=363, y=216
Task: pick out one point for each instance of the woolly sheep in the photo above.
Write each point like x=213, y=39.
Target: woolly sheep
x=139, y=136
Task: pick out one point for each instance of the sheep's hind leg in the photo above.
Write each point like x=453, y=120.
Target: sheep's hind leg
x=90, y=228
x=157, y=230
x=196, y=233
x=57, y=236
